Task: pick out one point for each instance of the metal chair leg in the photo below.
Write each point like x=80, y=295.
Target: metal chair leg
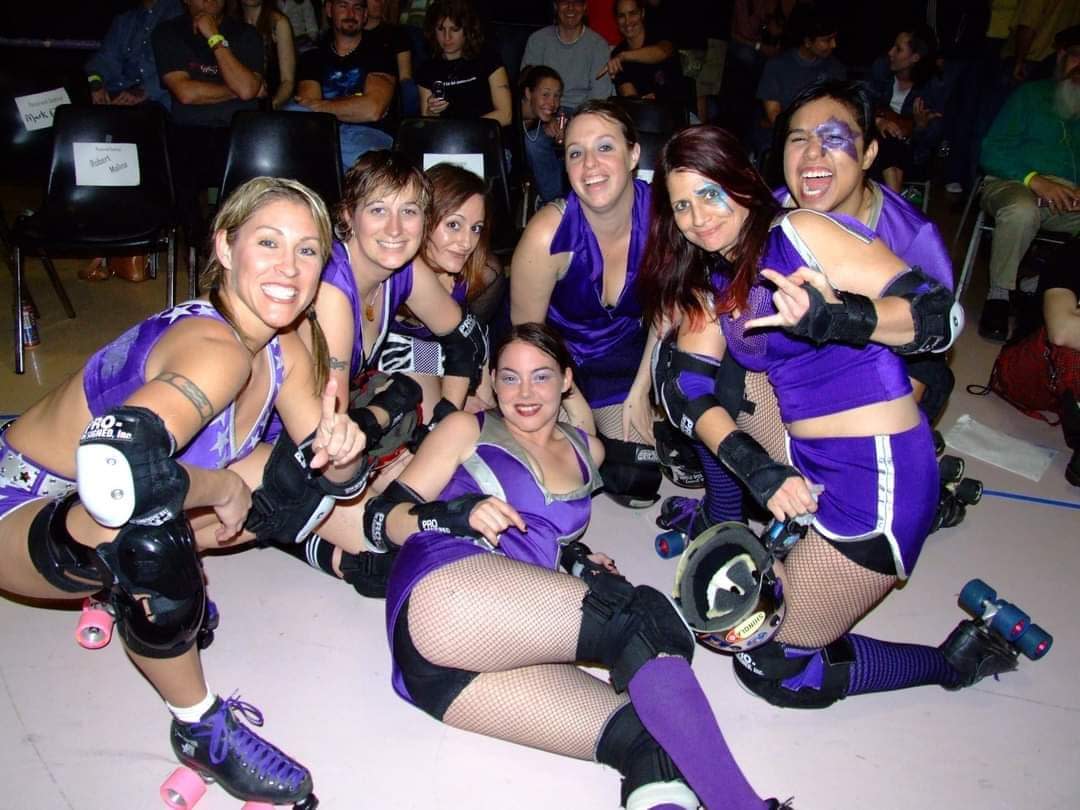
x=58, y=285
x=170, y=259
x=971, y=254
x=20, y=350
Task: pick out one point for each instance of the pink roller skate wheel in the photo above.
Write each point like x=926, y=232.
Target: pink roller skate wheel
x=182, y=789
x=257, y=806
x=95, y=626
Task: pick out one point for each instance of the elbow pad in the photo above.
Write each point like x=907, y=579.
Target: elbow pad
x=938, y=318
x=465, y=348
x=125, y=470
x=688, y=385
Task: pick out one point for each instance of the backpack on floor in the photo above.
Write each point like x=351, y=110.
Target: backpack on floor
x=1031, y=374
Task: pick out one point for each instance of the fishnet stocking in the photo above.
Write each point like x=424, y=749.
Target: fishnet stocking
x=609, y=423
x=764, y=424
x=826, y=593
x=553, y=707
x=487, y=613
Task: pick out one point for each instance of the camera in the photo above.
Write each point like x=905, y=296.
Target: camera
x=438, y=90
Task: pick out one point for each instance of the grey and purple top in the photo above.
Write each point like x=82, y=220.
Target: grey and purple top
x=118, y=369
x=499, y=467
x=605, y=342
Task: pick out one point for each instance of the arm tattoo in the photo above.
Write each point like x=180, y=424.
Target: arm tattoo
x=337, y=365
x=190, y=390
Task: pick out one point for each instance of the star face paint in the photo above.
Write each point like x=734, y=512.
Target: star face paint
x=836, y=135
x=714, y=194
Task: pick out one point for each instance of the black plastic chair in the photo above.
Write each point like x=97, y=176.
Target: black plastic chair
x=420, y=137
x=653, y=116
x=651, y=143
x=100, y=220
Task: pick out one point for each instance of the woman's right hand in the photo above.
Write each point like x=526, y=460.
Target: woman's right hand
x=794, y=499
x=436, y=107
x=233, y=507
x=492, y=516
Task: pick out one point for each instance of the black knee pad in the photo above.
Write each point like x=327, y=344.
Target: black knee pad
x=786, y=679
x=629, y=748
x=623, y=627
x=158, y=593
x=678, y=460
x=631, y=473
x=65, y=563
x=287, y=505
x=432, y=687
x=933, y=371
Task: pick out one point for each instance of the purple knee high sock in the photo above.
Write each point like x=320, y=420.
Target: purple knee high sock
x=671, y=705
x=723, y=494
x=882, y=666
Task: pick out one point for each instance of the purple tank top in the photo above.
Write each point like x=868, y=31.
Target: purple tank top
x=338, y=273
x=498, y=467
x=799, y=370
x=118, y=369
x=904, y=229
x=415, y=329
x=606, y=343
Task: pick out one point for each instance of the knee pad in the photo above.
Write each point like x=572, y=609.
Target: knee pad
x=64, y=562
x=688, y=385
x=126, y=472
x=623, y=627
x=627, y=746
x=937, y=316
x=727, y=589
x=287, y=505
x=339, y=491
x=398, y=395
x=678, y=461
x=933, y=372
x=794, y=677
x=157, y=590
x=631, y=473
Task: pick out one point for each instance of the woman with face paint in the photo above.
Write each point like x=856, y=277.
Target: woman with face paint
x=576, y=266
x=811, y=301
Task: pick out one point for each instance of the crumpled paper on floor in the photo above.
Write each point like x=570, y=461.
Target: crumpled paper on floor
x=1000, y=449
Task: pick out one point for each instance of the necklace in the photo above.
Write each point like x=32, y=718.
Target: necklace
x=558, y=36
x=532, y=138
x=339, y=54
x=369, y=305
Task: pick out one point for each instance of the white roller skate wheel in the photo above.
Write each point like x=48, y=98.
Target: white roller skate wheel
x=182, y=789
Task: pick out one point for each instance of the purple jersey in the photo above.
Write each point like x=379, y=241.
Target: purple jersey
x=605, y=342
x=338, y=273
x=904, y=228
x=118, y=369
x=798, y=369
x=499, y=467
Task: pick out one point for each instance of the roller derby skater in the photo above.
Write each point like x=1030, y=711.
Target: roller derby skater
x=113, y=482
x=492, y=504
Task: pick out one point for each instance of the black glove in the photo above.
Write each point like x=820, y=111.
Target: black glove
x=753, y=466
x=448, y=517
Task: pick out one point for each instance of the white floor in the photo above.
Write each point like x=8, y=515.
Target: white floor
x=79, y=729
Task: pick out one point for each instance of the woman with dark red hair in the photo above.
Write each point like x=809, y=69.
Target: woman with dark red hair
x=818, y=304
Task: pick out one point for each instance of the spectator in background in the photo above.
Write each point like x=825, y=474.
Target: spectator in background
x=382, y=27
x=280, y=52
x=909, y=100
x=212, y=66
x=1031, y=156
x=792, y=70
x=351, y=77
x=643, y=64
x=464, y=78
x=304, y=22
x=541, y=101
x=1036, y=24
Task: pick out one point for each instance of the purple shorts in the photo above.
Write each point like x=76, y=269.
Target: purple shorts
x=23, y=480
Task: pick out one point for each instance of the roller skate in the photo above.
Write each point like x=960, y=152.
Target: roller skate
x=97, y=618
x=220, y=748
x=991, y=643
x=681, y=518
x=957, y=492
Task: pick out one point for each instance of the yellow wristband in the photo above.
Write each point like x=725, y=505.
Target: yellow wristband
x=215, y=40
x=1028, y=178
x=95, y=77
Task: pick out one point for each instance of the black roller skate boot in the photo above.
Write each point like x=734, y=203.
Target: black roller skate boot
x=682, y=519
x=368, y=572
x=222, y=749
x=1070, y=425
x=957, y=492
x=776, y=804
x=976, y=653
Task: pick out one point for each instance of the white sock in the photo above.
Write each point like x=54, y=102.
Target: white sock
x=997, y=294
x=193, y=714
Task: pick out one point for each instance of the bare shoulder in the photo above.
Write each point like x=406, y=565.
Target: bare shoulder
x=541, y=228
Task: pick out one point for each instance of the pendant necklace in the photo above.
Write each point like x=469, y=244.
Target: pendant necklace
x=369, y=305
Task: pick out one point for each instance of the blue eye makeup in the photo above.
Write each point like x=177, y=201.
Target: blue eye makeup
x=712, y=193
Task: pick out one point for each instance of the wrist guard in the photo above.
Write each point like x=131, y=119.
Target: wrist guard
x=448, y=517
x=851, y=321
x=377, y=510
x=749, y=462
x=574, y=559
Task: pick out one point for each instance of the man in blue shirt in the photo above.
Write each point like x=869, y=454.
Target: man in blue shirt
x=123, y=70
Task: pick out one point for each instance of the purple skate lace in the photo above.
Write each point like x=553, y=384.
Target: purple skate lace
x=266, y=760
x=678, y=513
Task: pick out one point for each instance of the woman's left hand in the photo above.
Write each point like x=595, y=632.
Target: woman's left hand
x=637, y=411
x=338, y=439
x=791, y=300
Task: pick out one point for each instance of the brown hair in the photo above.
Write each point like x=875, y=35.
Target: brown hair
x=383, y=169
x=451, y=187
x=462, y=14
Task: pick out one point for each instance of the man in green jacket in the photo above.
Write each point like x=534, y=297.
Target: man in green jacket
x=1032, y=158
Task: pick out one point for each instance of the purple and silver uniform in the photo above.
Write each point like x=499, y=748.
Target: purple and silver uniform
x=111, y=376
x=498, y=467
x=605, y=342
x=874, y=485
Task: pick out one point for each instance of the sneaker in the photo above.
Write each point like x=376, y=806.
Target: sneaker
x=954, y=188
x=220, y=747
x=976, y=653
x=994, y=321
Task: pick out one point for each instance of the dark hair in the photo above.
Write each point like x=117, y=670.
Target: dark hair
x=615, y=5
x=539, y=336
x=675, y=273
x=372, y=172
x=853, y=95
x=534, y=75
x=808, y=22
x=924, y=43
x=462, y=14
x=451, y=186
x=613, y=112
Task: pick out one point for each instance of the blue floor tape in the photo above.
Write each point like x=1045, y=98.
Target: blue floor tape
x=1000, y=493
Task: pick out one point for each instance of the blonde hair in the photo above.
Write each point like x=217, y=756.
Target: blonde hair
x=233, y=214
